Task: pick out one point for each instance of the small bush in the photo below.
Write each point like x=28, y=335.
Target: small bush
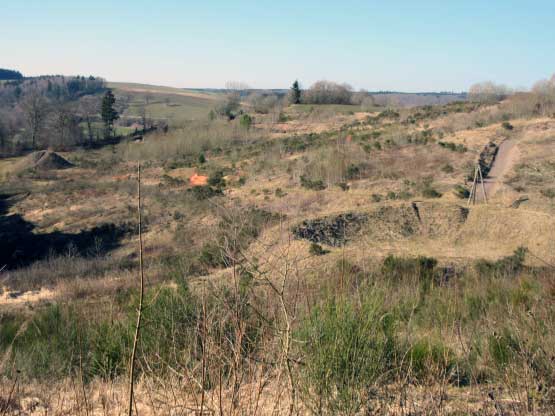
x=316, y=185
x=453, y=147
x=343, y=186
x=317, y=250
x=216, y=179
x=398, y=269
x=246, y=121
x=204, y=192
x=505, y=267
x=447, y=168
x=507, y=126
x=548, y=193
x=429, y=192
x=428, y=359
x=461, y=191
x=353, y=171
x=503, y=348
x=212, y=255
x=346, y=349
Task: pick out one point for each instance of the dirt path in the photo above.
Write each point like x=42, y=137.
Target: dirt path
x=504, y=160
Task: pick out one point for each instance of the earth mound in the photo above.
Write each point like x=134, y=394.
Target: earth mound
x=43, y=160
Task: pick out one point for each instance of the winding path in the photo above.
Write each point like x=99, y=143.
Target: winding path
x=505, y=159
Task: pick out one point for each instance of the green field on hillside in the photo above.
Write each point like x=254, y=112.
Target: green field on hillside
x=173, y=105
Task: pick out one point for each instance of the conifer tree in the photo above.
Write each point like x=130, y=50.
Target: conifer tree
x=108, y=113
x=295, y=94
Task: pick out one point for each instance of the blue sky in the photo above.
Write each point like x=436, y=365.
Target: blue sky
x=377, y=45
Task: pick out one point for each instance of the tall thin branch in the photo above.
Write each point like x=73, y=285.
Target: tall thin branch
x=141, y=296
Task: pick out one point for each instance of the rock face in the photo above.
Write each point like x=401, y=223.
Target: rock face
x=487, y=156
x=333, y=230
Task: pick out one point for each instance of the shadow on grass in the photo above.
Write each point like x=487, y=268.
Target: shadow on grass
x=20, y=246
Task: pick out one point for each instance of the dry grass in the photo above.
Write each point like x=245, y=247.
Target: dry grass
x=389, y=180
x=177, y=397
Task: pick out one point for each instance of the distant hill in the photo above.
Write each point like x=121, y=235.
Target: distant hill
x=415, y=99
x=174, y=106
x=9, y=74
x=382, y=98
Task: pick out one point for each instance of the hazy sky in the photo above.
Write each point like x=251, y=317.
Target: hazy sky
x=378, y=45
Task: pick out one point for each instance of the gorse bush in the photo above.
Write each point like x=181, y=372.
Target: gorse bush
x=429, y=359
x=317, y=250
x=347, y=348
x=507, y=126
x=365, y=329
x=203, y=192
x=505, y=267
x=246, y=121
x=235, y=231
x=461, y=191
x=399, y=269
x=58, y=341
x=316, y=185
x=503, y=348
x=429, y=192
x=453, y=147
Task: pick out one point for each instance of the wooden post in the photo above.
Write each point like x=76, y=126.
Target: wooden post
x=472, y=196
x=482, y=182
x=141, y=296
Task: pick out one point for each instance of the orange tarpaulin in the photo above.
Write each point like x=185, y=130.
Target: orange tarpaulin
x=198, y=180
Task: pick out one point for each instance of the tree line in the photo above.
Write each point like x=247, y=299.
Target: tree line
x=8, y=74
x=55, y=112
x=270, y=102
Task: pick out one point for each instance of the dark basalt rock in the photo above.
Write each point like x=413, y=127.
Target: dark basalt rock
x=333, y=230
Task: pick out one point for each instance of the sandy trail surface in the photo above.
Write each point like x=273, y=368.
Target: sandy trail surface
x=506, y=157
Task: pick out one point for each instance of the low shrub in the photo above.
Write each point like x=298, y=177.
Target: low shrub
x=346, y=349
x=461, y=191
x=246, y=121
x=216, y=179
x=503, y=348
x=505, y=267
x=548, y=193
x=204, y=192
x=317, y=250
x=429, y=358
x=316, y=185
x=453, y=147
x=507, y=126
x=399, y=269
x=447, y=168
x=429, y=192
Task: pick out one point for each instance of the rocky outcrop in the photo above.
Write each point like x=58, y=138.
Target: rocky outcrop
x=487, y=157
x=333, y=230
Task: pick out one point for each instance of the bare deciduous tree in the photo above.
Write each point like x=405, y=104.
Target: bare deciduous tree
x=89, y=108
x=327, y=92
x=3, y=133
x=488, y=91
x=264, y=102
x=64, y=126
x=35, y=111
